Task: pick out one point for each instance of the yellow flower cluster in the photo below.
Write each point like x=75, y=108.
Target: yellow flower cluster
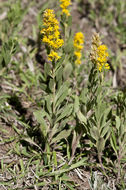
x=99, y=53
x=64, y=5
x=51, y=34
x=78, y=46
x=102, y=57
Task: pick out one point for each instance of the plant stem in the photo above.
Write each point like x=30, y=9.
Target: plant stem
x=65, y=33
x=119, y=159
x=54, y=89
x=100, y=161
x=75, y=81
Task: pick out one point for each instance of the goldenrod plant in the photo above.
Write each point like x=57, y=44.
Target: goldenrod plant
x=51, y=35
x=78, y=46
x=99, y=53
x=59, y=112
x=56, y=111
x=64, y=4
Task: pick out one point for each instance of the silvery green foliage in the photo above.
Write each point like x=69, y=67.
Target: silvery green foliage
x=97, y=183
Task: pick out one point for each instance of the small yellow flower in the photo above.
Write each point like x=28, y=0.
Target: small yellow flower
x=99, y=53
x=51, y=34
x=64, y=4
x=78, y=46
x=53, y=55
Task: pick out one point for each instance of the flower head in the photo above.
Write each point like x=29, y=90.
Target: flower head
x=64, y=4
x=78, y=46
x=51, y=34
x=53, y=55
x=99, y=53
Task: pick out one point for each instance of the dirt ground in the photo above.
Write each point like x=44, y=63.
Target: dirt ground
x=79, y=21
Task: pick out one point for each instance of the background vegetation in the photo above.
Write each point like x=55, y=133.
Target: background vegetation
x=62, y=125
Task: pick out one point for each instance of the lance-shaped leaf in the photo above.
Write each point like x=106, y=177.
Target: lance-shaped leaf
x=41, y=121
x=100, y=145
x=62, y=135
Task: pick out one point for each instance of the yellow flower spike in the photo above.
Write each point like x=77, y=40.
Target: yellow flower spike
x=64, y=5
x=78, y=46
x=51, y=34
x=99, y=53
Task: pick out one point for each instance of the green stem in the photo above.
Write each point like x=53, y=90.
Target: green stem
x=100, y=161
x=65, y=33
x=76, y=83
x=54, y=89
x=102, y=77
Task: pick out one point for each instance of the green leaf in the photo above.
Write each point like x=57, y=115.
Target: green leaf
x=38, y=115
x=54, y=158
x=30, y=141
x=51, y=84
x=81, y=117
x=25, y=79
x=47, y=69
x=70, y=186
x=69, y=45
x=48, y=152
x=113, y=142
x=60, y=61
x=62, y=98
x=62, y=135
x=22, y=166
x=67, y=70
x=83, y=96
x=103, y=117
x=65, y=177
x=82, y=162
x=66, y=111
x=62, y=89
x=118, y=122
x=105, y=129
x=59, y=127
x=48, y=103
x=94, y=133
x=100, y=109
x=61, y=94
x=100, y=144
x=121, y=132
x=69, y=21
x=63, y=124
x=58, y=73
x=41, y=121
x=76, y=104
x=54, y=130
